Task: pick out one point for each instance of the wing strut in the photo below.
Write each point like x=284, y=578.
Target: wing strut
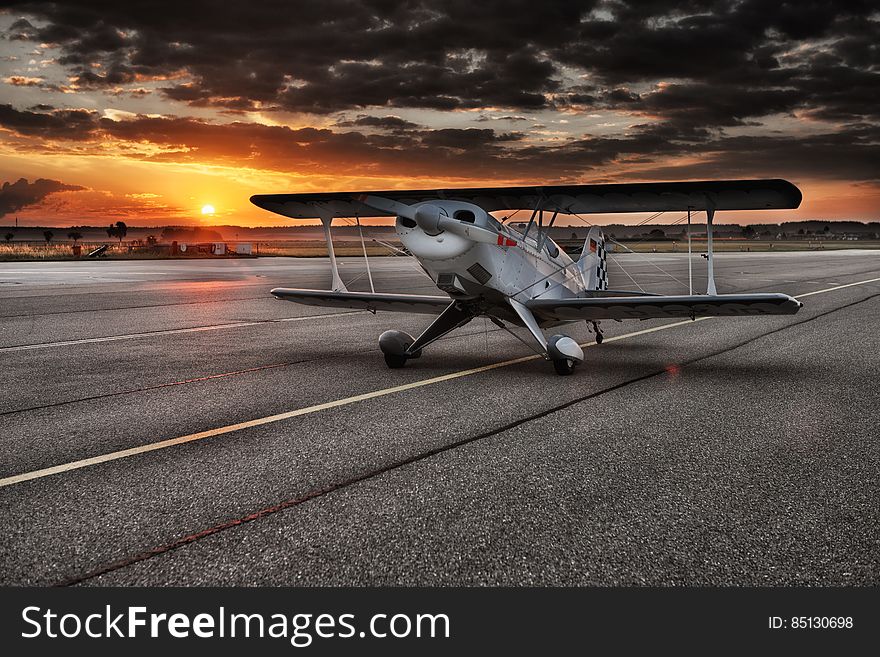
x=546, y=234
x=690, y=259
x=338, y=285
x=537, y=209
x=710, y=214
x=528, y=319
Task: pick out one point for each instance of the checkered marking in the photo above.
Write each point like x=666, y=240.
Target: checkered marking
x=601, y=268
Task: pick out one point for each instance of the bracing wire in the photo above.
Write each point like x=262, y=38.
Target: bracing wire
x=366, y=259
x=647, y=259
x=650, y=262
x=415, y=267
x=623, y=269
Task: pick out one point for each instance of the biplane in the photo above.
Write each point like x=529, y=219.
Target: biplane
x=520, y=276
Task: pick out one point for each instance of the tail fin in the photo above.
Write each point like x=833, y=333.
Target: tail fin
x=592, y=260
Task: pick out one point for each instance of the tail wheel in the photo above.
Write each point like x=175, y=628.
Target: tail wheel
x=564, y=366
x=395, y=362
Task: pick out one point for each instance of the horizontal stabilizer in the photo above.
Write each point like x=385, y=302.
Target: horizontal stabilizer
x=402, y=303
x=654, y=307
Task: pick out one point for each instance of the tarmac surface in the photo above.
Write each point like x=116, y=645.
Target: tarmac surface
x=168, y=422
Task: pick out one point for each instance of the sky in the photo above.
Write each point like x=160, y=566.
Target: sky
x=119, y=111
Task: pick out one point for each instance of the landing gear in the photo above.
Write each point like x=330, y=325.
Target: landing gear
x=564, y=366
x=395, y=362
x=398, y=347
x=565, y=354
x=598, y=331
x=395, y=347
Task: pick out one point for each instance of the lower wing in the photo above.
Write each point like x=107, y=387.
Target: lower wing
x=651, y=307
x=403, y=303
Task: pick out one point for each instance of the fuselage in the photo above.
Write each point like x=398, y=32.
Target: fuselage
x=534, y=268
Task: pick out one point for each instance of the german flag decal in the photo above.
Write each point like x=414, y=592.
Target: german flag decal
x=593, y=246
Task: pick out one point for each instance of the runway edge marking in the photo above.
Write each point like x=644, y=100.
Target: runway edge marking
x=307, y=410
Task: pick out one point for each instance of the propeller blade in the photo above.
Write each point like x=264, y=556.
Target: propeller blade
x=387, y=205
x=431, y=220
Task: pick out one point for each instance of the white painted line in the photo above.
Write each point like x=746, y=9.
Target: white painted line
x=219, y=431
x=150, y=334
x=838, y=287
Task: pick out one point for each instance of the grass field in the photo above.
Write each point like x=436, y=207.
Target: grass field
x=22, y=251
x=25, y=251
x=30, y=251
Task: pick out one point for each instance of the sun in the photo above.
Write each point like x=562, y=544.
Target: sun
x=207, y=209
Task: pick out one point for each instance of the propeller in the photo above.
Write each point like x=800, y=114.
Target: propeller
x=431, y=219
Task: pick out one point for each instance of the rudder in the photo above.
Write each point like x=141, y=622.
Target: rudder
x=592, y=262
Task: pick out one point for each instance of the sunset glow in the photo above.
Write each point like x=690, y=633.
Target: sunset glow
x=135, y=115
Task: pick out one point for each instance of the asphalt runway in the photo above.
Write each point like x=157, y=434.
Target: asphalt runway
x=169, y=423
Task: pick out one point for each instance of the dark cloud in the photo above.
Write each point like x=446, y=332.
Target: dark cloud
x=465, y=139
x=420, y=152
x=849, y=153
x=621, y=95
x=21, y=30
x=696, y=75
x=76, y=124
x=717, y=64
x=332, y=55
x=483, y=118
x=321, y=56
x=20, y=194
x=394, y=123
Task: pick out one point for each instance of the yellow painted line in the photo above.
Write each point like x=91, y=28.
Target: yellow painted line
x=219, y=431
x=210, y=433
x=838, y=287
x=151, y=334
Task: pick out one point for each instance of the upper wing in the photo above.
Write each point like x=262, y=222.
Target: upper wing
x=566, y=199
x=650, y=307
x=404, y=303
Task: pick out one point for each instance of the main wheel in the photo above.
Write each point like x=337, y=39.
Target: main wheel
x=599, y=338
x=395, y=362
x=564, y=366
